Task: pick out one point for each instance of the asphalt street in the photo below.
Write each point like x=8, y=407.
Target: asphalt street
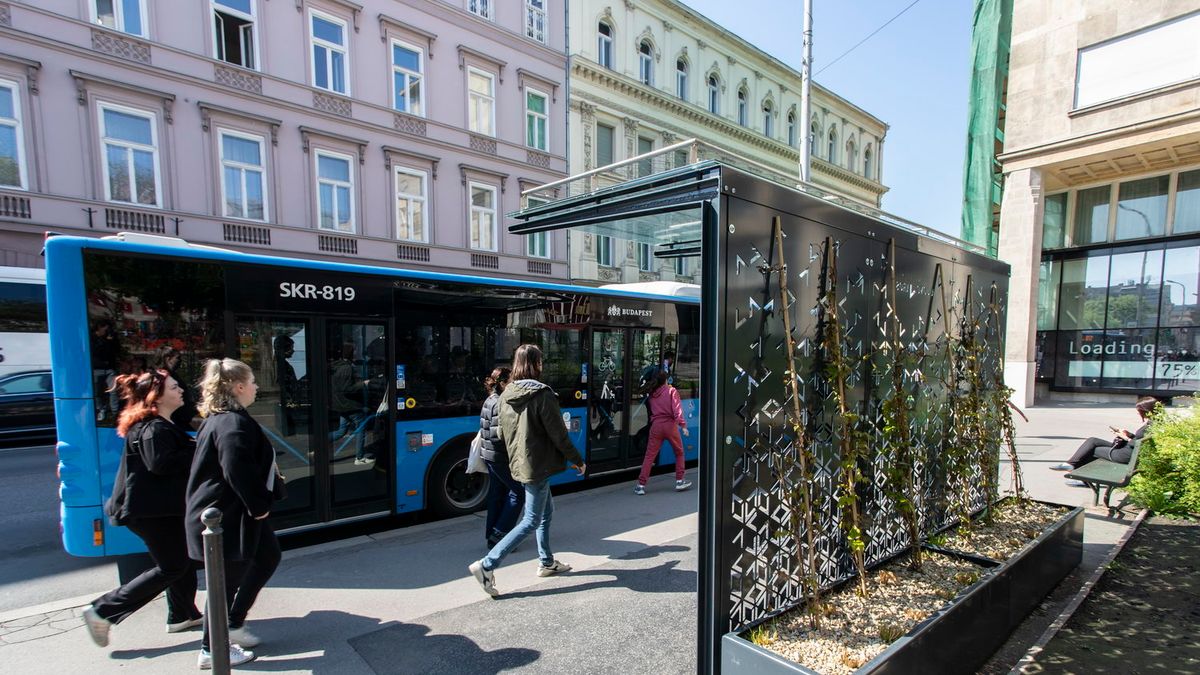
x=34, y=568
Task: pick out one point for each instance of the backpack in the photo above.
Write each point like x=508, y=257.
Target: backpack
x=114, y=506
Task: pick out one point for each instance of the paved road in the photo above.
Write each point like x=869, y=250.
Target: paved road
x=34, y=569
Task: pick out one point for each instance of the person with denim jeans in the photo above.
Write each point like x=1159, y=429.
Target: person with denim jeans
x=539, y=447
x=505, y=497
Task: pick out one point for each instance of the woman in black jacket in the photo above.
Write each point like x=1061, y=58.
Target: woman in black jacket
x=167, y=358
x=506, y=497
x=148, y=498
x=234, y=471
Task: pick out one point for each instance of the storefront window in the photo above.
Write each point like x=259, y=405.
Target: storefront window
x=1177, y=360
x=1128, y=358
x=1181, y=287
x=1084, y=289
x=1142, y=208
x=1091, y=216
x=1079, y=358
x=1054, y=221
x=1049, y=276
x=1134, y=284
x=1187, y=202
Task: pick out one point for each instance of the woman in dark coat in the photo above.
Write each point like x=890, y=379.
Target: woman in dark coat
x=506, y=497
x=234, y=471
x=148, y=498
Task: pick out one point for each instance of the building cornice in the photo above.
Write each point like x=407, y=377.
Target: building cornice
x=386, y=22
x=717, y=37
x=1033, y=152
x=637, y=92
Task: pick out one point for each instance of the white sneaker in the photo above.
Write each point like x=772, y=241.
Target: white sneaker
x=242, y=637
x=681, y=485
x=558, y=567
x=237, y=657
x=97, y=626
x=180, y=626
x=486, y=578
x=1062, y=467
x=639, y=489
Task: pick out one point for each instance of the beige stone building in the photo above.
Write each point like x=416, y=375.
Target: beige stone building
x=1100, y=217
x=646, y=74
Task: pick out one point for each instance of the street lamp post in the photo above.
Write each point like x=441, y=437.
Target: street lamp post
x=806, y=139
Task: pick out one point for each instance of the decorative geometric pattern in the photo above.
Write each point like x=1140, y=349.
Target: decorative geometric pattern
x=408, y=124
x=331, y=104
x=238, y=78
x=483, y=144
x=5, y=14
x=119, y=45
x=760, y=530
x=537, y=158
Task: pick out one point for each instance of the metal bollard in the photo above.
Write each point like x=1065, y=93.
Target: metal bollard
x=217, y=612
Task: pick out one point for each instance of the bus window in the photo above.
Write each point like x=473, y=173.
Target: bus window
x=136, y=306
x=22, y=308
x=24, y=342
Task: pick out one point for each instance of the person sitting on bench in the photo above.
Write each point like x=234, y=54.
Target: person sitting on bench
x=1120, y=448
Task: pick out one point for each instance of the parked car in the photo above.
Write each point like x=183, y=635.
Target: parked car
x=26, y=408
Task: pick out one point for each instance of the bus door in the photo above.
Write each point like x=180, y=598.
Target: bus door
x=621, y=360
x=322, y=402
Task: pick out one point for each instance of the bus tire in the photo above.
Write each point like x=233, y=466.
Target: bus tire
x=452, y=491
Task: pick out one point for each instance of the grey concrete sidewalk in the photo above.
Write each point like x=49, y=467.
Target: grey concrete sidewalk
x=402, y=601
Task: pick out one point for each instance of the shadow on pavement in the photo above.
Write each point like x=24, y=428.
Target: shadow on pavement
x=434, y=654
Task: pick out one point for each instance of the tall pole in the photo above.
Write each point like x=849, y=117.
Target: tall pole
x=805, y=122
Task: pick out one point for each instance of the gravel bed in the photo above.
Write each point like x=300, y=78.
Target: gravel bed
x=854, y=629
x=1014, y=524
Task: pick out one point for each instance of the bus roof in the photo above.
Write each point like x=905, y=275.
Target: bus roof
x=675, y=289
x=176, y=247
x=29, y=275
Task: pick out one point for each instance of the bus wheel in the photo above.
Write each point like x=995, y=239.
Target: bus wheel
x=453, y=491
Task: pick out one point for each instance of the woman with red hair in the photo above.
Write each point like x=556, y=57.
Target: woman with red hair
x=148, y=498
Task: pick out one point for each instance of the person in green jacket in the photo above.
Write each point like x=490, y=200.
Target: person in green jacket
x=539, y=447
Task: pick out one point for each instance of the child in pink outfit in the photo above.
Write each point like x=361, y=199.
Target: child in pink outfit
x=666, y=422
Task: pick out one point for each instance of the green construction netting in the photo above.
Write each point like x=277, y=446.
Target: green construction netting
x=989, y=72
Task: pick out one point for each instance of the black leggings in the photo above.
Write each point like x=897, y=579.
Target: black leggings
x=245, y=578
x=173, y=572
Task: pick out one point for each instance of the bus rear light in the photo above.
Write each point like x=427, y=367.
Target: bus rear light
x=411, y=493
x=97, y=532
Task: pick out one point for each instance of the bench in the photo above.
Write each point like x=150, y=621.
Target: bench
x=1101, y=473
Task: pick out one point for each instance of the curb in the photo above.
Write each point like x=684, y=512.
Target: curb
x=1030, y=657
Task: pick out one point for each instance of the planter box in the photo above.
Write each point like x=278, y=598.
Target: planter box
x=962, y=635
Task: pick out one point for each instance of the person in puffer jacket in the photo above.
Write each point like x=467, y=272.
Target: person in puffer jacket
x=506, y=497
x=539, y=447
x=666, y=422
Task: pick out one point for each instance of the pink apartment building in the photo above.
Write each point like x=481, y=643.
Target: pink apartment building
x=388, y=132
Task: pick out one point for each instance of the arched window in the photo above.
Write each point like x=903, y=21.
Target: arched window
x=791, y=128
x=604, y=45
x=833, y=145
x=768, y=111
x=646, y=63
x=714, y=94
x=867, y=162
x=743, y=109
x=851, y=154
x=681, y=79
x=814, y=135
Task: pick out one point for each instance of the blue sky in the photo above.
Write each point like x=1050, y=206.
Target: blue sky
x=914, y=75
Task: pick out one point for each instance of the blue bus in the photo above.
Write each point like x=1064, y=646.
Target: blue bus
x=370, y=379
